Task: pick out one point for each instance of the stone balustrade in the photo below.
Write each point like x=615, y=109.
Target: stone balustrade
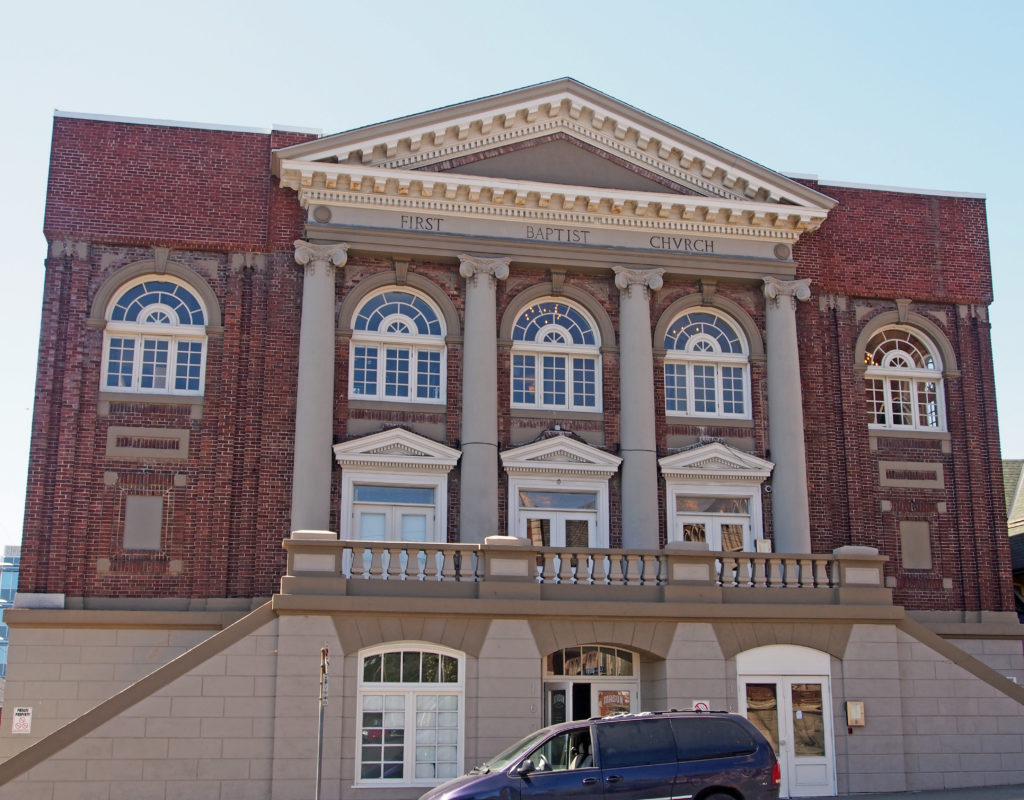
x=318, y=563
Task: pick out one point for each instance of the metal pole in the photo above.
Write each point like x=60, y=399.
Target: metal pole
x=324, y=663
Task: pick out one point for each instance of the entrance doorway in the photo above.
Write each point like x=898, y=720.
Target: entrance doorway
x=590, y=681
x=785, y=691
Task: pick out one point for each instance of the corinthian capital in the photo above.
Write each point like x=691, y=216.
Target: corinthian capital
x=647, y=280
x=310, y=255
x=495, y=268
x=775, y=290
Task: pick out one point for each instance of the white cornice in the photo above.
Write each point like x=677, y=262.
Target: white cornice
x=350, y=185
x=560, y=456
x=579, y=111
x=396, y=449
x=172, y=123
x=715, y=461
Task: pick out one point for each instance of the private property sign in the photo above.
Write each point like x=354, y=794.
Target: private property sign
x=21, y=722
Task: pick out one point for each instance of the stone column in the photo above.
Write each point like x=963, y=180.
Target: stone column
x=790, y=514
x=637, y=440
x=314, y=397
x=479, y=467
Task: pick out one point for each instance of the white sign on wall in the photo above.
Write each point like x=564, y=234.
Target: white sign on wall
x=22, y=720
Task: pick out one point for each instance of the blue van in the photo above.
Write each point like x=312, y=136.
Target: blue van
x=647, y=756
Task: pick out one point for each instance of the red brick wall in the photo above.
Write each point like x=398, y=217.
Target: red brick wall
x=125, y=188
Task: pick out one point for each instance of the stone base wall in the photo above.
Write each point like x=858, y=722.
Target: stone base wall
x=236, y=716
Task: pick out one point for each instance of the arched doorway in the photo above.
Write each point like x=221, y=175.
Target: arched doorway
x=590, y=681
x=786, y=691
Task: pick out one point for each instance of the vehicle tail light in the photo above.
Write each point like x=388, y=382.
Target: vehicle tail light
x=776, y=775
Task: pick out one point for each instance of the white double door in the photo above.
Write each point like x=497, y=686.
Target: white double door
x=795, y=715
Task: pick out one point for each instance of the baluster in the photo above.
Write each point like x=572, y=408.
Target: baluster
x=346, y=562
x=615, y=575
x=743, y=571
x=807, y=573
x=599, y=571
x=632, y=576
x=565, y=567
x=760, y=577
x=775, y=572
x=821, y=573
x=430, y=565
x=448, y=565
x=792, y=571
x=376, y=563
x=729, y=566
x=395, y=570
x=662, y=565
x=549, y=570
x=472, y=557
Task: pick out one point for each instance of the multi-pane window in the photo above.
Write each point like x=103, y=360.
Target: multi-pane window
x=903, y=381
x=397, y=349
x=706, y=367
x=555, y=358
x=155, y=339
x=410, y=716
x=722, y=522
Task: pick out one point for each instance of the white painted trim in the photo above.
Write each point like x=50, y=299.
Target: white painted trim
x=172, y=123
x=902, y=189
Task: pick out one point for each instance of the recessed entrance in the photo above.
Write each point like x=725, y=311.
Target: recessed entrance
x=786, y=692
x=590, y=681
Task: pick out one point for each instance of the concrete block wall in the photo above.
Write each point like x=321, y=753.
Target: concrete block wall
x=208, y=733
x=1005, y=656
x=60, y=673
x=958, y=730
x=694, y=669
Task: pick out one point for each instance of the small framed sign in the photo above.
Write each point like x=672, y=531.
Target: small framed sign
x=855, y=713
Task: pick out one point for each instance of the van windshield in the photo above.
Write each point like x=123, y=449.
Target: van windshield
x=510, y=754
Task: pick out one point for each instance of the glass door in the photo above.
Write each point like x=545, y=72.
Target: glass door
x=793, y=715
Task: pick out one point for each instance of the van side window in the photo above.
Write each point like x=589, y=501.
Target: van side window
x=635, y=744
x=703, y=737
x=566, y=750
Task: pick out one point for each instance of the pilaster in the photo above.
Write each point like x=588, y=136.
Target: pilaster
x=638, y=441
x=314, y=398
x=479, y=485
x=791, y=517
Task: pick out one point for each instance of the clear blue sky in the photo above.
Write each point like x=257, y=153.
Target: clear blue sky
x=913, y=94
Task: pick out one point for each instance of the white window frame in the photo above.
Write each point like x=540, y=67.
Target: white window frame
x=915, y=376
x=399, y=458
x=715, y=470
x=717, y=360
x=413, y=343
x=566, y=350
x=712, y=521
x=558, y=516
x=438, y=483
x=563, y=464
x=142, y=332
x=410, y=691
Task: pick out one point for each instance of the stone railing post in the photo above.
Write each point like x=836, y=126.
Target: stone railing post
x=479, y=467
x=638, y=443
x=314, y=396
x=790, y=514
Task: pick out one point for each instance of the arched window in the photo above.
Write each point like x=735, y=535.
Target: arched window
x=903, y=380
x=411, y=714
x=398, y=350
x=555, y=358
x=155, y=338
x=706, y=367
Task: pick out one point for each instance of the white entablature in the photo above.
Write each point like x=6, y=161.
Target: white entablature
x=715, y=461
x=462, y=160
x=396, y=449
x=560, y=456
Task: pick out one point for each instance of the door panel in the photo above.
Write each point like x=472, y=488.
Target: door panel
x=792, y=713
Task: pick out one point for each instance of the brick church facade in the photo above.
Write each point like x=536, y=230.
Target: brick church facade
x=531, y=408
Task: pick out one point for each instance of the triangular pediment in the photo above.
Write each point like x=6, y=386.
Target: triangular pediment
x=715, y=460
x=559, y=454
x=560, y=150
x=395, y=448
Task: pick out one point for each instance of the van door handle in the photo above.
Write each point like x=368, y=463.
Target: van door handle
x=589, y=781
x=613, y=779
